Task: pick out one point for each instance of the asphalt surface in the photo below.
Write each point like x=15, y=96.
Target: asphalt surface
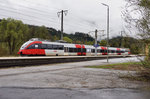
x=71, y=81
x=39, y=93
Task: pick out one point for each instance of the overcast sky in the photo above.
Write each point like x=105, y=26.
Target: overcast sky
x=82, y=16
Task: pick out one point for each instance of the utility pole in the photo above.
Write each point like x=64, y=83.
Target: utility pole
x=96, y=42
x=122, y=39
x=62, y=12
x=96, y=45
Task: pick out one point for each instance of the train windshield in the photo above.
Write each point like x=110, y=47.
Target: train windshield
x=25, y=45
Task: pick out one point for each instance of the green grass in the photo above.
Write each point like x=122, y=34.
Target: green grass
x=142, y=73
x=119, y=66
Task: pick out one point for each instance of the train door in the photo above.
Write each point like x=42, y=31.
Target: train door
x=79, y=52
x=88, y=52
x=66, y=51
x=83, y=50
x=118, y=51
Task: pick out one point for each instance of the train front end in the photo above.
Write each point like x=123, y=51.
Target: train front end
x=31, y=48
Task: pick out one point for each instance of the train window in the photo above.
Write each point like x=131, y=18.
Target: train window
x=109, y=51
x=122, y=51
x=36, y=46
x=112, y=51
x=55, y=47
x=60, y=47
x=49, y=46
x=75, y=50
x=43, y=46
x=102, y=51
x=84, y=49
x=79, y=49
x=93, y=50
x=105, y=51
x=71, y=50
x=31, y=46
x=118, y=51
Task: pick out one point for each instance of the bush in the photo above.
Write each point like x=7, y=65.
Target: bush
x=145, y=70
x=3, y=51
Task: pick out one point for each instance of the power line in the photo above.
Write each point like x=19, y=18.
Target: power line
x=28, y=10
x=26, y=19
x=37, y=12
x=80, y=25
x=45, y=20
x=53, y=18
x=39, y=4
x=26, y=15
x=22, y=6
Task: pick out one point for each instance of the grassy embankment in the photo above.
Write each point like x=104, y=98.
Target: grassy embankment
x=143, y=74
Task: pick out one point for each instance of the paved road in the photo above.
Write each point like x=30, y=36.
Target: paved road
x=46, y=93
x=76, y=81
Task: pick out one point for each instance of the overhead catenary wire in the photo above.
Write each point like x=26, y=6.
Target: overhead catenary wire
x=38, y=13
x=31, y=8
x=33, y=17
x=24, y=19
x=41, y=20
x=17, y=11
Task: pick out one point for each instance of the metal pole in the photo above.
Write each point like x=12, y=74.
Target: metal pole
x=96, y=42
x=107, y=31
x=62, y=15
x=122, y=39
x=107, y=34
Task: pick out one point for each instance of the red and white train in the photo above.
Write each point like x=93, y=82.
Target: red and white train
x=41, y=47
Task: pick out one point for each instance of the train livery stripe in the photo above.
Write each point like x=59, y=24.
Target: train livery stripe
x=78, y=46
x=35, y=42
x=83, y=53
x=118, y=49
x=104, y=48
x=33, y=52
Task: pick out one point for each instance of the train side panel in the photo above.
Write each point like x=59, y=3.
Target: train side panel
x=61, y=49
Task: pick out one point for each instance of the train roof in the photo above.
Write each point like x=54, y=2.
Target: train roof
x=61, y=42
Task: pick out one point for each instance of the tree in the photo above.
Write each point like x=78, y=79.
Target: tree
x=90, y=43
x=142, y=20
x=67, y=39
x=55, y=38
x=42, y=32
x=103, y=43
x=142, y=23
x=12, y=32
